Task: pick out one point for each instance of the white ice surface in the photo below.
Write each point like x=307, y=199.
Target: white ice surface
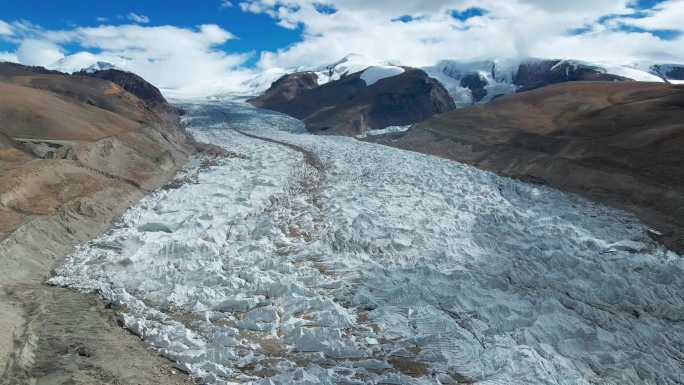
x=267, y=271
x=633, y=73
x=374, y=74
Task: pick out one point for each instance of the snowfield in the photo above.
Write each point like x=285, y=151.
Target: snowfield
x=374, y=74
x=343, y=262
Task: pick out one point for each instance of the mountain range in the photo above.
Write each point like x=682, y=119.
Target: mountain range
x=474, y=82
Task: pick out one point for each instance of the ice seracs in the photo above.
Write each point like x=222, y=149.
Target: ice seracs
x=384, y=266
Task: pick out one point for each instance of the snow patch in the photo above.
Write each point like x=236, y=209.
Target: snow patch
x=498, y=74
x=348, y=65
x=100, y=66
x=374, y=74
x=384, y=131
x=633, y=73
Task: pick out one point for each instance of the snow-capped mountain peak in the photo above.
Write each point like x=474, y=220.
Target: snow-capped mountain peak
x=349, y=64
x=99, y=66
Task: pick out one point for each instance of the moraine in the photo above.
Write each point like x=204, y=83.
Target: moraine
x=336, y=261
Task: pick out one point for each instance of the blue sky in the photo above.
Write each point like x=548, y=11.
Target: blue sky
x=254, y=32
x=198, y=44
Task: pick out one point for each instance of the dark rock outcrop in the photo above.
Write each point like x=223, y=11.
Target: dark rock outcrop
x=536, y=74
x=676, y=73
x=621, y=143
x=132, y=83
x=285, y=89
x=669, y=71
x=476, y=84
x=8, y=69
x=349, y=107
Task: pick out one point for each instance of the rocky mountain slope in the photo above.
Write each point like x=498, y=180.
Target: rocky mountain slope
x=285, y=89
x=617, y=142
x=135, y=85
x=75, y=152
x=353, y=105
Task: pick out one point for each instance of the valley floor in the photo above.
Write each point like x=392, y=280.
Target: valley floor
x=307, y=260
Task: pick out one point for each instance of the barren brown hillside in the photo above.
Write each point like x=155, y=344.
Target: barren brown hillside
x=75, y=152
x=37, y=114
x=92, y=127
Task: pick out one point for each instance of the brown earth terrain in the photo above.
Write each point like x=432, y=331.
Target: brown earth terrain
x=621, y=143
x=75, y=152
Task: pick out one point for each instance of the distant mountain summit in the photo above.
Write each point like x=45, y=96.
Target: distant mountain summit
x=130, y=82
x=373, y=98
x=479, y=82
x=672, y=73
x=99, y=66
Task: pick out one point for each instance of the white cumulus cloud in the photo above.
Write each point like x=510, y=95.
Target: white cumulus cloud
x=8, y=56
x=668, y=15
x=6, y=28
x=172, y=58
x=39, y=52
x=505, y=29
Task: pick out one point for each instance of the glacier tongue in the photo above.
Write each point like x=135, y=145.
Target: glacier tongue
x=384, y=266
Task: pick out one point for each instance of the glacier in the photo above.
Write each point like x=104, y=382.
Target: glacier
x=326, y=260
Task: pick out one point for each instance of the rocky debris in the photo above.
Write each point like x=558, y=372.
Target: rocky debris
x=349, y=107
x=616, y=142
x=212, y=150
x=47, y=149
x=6, y=142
